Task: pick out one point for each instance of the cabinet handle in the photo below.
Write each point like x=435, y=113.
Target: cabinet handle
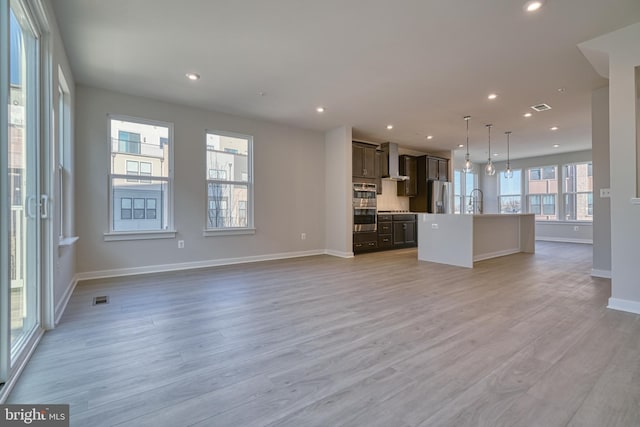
x=364, y=172
x=372, y=244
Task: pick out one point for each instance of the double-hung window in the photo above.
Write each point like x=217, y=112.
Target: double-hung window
x=229, y=177
x=463, y=185
x=542, y=192
x=140, y=148
x=577, y=189
x=510, y=192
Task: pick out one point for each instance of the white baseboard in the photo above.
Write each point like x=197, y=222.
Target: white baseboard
x=339, y=253
x=624, y=305
x=489, y=255
x=117, y=272
x=62, y=304
x=605, y=274
x=22, y=363
x=564, y=240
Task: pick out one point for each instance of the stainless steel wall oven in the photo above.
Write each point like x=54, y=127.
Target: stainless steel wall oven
x=364, y=207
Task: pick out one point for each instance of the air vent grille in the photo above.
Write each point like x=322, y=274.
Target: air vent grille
x=541, y=107
x=101, y=300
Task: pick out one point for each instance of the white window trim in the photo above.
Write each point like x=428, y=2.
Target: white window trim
x=556, y=195
x=249, y=229
x=572, y=221
x=170, y=233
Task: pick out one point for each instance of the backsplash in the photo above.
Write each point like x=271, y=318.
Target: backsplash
x=389, y=200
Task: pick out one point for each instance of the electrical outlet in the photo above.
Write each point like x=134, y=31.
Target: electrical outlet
x=180, y=244
x=605, y=192
x=435, y=226
x=303, y=236
x=576, y=228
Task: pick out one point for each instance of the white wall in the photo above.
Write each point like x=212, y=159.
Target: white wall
x=561, y=231
x=289, y=189
x=64, y=257
x=621, y=51
x=339, y=215
x=601, y=173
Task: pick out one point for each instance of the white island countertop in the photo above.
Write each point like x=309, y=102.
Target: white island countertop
x=463, y=239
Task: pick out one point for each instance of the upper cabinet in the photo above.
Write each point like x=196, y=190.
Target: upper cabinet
x=363, y=160
x=437, y=168
x=408, y=167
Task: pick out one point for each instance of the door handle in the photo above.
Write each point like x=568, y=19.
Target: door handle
x=29, y=202
x=44, y=206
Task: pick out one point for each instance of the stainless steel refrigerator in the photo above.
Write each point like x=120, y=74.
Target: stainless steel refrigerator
x=439, y=197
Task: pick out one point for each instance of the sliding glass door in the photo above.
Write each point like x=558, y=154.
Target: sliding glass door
x=22, y=189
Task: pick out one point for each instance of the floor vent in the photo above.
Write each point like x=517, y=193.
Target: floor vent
x=101, y=300
x=541, y=107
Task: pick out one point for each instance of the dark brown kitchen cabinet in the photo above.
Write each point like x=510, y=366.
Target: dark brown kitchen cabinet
x=437, y=169
x=378, y=170
x=363, y=160
x=408, y=167
x=385, y=231
x=404, y=230
x=365, y=241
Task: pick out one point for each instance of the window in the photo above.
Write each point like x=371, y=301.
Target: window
x=128, y=142
x=229, y=181
x=577, y=189
x=542, y=192
x=463, y=184
x=510, y=192
x=64, y=180
x=142, y=148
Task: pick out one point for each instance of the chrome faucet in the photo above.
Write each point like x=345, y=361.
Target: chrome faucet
x=476, y=198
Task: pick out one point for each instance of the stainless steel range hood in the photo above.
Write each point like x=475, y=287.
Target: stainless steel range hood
x=391, y=162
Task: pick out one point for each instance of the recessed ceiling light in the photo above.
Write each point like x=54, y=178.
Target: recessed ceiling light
x=193, y=76
x=492, y=96
x=533, y=5
x=389, y=127
x=556, y=145
x=527, y=114
x=561, y=89
x=429, y=136
x=554, y=128
x=320, y=109
x=460, y=145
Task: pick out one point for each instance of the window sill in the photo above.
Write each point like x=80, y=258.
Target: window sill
x=566, y=222
x=635, y=200
x=139, y=235
x=228, y=232
x=68, y=241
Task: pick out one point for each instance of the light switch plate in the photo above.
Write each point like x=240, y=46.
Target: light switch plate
x=434, y=226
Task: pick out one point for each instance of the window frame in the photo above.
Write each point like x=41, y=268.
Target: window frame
x=519, y=194
x=589, y=174
x=249, y=183
x=169, y=232
x=529, y=195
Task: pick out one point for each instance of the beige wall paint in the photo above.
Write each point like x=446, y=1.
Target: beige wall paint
x=289, y=186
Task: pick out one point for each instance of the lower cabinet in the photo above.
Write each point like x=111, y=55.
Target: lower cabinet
x=394, y=231
x=404, y=230
x=365, y=241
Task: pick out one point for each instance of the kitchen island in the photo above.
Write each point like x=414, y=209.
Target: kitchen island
x=463, y=239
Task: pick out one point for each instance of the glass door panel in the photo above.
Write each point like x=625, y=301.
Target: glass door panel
x=23, y=179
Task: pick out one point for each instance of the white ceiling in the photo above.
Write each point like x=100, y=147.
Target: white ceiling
x=420, y=65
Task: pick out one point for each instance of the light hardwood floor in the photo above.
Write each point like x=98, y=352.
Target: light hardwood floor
x=378, y=340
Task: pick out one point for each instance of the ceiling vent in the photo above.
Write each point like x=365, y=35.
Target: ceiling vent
x=541, y=107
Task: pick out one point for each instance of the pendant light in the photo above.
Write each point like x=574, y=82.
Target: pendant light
x=468, y=166
x=508, y=173
x=489, y=169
